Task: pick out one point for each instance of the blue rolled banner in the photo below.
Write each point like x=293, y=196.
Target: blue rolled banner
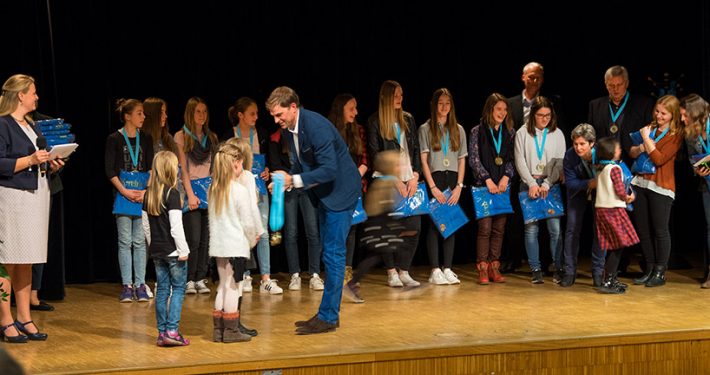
x=541, y=209
x=487, y=204
x=276, y=213
x=447, y=219
x=134, y=181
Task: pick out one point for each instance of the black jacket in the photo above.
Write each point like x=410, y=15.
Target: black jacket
x=375, y=142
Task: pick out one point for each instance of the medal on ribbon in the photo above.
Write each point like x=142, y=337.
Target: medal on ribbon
x=540, y=148
x=615, y=116
x=497, y=143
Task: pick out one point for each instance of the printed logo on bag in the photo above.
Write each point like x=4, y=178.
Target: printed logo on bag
x=550, y=211
x=442, y=228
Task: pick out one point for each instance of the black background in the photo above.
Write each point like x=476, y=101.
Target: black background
x=97, y=51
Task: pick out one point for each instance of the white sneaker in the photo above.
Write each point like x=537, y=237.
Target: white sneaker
x=407, y=280
x=190, y=288
x=393, y=280
x=437, y=277
x=451, y=277
x=295, y=283
x=316, y=282
x=201, y=287
x=150, y=292
x=246, y=285
x=270, y=286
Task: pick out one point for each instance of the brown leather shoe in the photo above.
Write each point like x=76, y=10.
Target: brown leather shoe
x=302, y=323
x=316, y=326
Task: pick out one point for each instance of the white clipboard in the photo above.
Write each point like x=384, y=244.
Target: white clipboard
x=62, y=151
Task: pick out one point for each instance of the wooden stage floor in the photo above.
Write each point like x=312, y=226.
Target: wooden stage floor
x=515, y=328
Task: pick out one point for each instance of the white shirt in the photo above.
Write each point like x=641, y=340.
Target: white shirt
x=297, y=181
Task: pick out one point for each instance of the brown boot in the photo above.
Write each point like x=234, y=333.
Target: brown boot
x=218, y=326
x=482, y=273
x=494, y=274
x=706, y=283
x=231, y=329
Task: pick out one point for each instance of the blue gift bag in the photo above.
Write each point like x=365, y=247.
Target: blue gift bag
x=359, y=215
x=636, y=138
x=487, y=204
x=276, y=213
x=257, y=168
x=643, y=165
x=541, y=209
x=134, y=181
x=447, y=219
x=627, y=176
x=200, y=187
x=418, y=204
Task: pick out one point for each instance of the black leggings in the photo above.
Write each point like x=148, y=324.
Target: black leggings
x=652, y=212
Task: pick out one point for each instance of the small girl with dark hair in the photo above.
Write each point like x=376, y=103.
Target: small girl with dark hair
x=614, y=228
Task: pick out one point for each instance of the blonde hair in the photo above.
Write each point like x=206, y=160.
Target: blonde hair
x=282, y=96
x=222, y=176
x=245, y=149
x=672, y=105
x=11, y=89
x=697, y=111
x=388, y=115
x=165, y=171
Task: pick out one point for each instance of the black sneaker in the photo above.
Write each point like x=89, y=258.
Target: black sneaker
x=558, y=276
x=537, y=277
x=567, y=281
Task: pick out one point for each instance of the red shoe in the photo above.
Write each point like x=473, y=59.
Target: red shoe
x=482, y=273
x=494, y=273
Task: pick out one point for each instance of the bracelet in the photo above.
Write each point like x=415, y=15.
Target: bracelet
x=432, y=187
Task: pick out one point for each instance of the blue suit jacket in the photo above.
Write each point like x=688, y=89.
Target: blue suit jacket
x=325, y=164
x=15, y=144
x=576, y=177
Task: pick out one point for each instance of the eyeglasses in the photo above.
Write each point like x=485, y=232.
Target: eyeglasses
x=543, y=115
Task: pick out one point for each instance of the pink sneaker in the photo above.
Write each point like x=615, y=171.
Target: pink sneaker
x=174, y=338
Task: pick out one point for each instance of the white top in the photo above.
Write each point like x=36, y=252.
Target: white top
x=606, y=196
x=526, y=160
x=236, y=229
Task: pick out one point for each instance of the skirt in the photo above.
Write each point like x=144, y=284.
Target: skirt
x=24, y=224
x=614, y=228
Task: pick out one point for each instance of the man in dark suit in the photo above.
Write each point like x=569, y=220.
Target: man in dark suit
x=321, y=164
x=519, y=105
x=620, y=113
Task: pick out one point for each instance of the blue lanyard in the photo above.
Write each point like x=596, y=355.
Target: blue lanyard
x=614, y=116
x=706, y=143
x=594, y=156
x=203, y=142
x=445, y=143
x=134, y=156
x=607, y=162
x=540, y=148
x=251, y=136
x=399, y=133
x=653, y=134
x=499, y=142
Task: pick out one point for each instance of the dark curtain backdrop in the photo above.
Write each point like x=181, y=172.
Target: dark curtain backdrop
x=94, y=52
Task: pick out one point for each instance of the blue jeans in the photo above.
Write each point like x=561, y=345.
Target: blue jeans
x=533, y=248
x=334, y=228
x=170, y=273
x=130, y=233
x=293, y=201
x=263, y=250
x=576, y=208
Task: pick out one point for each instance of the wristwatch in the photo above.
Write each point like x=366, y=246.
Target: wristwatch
x=460, y=184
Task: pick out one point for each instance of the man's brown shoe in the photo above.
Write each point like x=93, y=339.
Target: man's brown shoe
x=316, y=326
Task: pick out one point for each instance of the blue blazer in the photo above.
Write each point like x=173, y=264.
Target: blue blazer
x=576, y=177
x=15, y=144
x=325, y=164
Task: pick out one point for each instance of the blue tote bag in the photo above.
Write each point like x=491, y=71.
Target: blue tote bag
x=487, y=204
x=200, y=187
x=418, y=204
x=541, y=209
x=131, y=180
x=359, y=215
x=257, y=168
x=447, y=219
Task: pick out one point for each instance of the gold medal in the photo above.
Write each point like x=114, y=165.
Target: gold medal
x=275, y=238
x=446, y=162
x=540, y=167
x=613, y=129
x=499, y=161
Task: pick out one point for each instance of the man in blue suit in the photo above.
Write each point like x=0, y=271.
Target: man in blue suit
x=322, y=164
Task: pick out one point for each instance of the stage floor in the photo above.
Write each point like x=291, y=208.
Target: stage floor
x=92, y=332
